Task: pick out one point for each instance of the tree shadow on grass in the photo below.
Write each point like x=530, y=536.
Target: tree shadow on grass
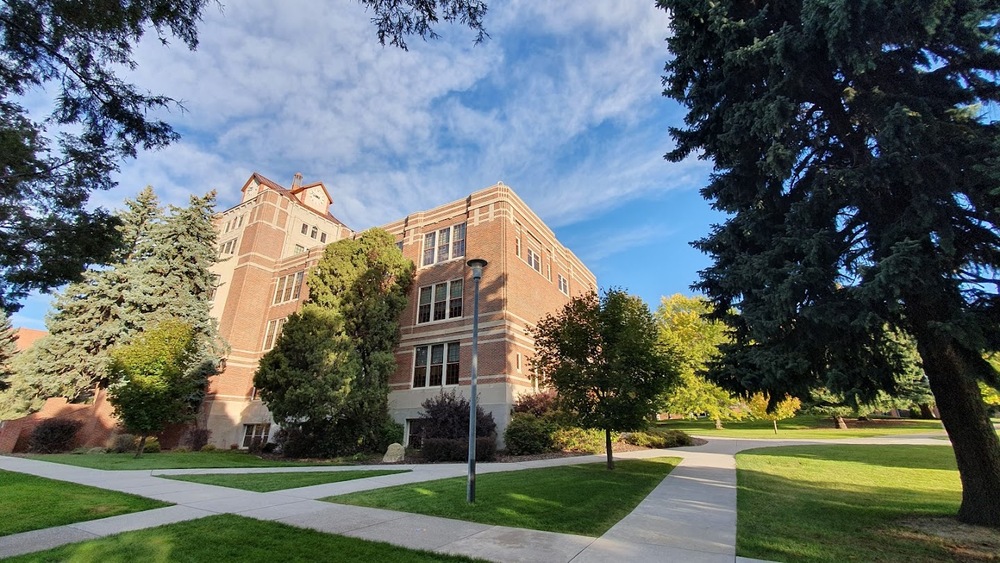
x=902, y=456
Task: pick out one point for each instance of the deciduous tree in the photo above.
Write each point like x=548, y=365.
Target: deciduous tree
x=154, y=380
x=695, y=340
x=759, y=405
x=603, y=357
x=856, y=157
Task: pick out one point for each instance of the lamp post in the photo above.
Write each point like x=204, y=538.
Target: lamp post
x=477, y=265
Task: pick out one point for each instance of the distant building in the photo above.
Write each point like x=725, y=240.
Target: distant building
x=26, y=337
x=268, y=242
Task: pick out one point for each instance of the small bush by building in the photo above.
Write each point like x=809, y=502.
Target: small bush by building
x=528, y=434
x=54, y=435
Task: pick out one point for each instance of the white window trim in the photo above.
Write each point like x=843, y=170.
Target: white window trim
x=447, y=303
x=272, y=332
x=444, y=366
x=281, y=288
x=436, y=259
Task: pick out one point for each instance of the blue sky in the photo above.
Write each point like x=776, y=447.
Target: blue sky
x=562, y=103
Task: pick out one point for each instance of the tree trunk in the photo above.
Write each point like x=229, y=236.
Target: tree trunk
x=841, y=425
x=142, y=446
x=925, y=412
x=775, y=422
x=607, y=447
x=718, y=423
x=963, y=413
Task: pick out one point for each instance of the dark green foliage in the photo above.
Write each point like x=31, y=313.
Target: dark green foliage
x=603, y=357
x=155, y=384
x=161, y=272
x=395, y=19
x=857, y=157
x=447, y=416
x=457, y=449
x=528, y=434
x=392, y=433
x=327, y=378
x=54, y=435
x=197, y=438
x=74, y=51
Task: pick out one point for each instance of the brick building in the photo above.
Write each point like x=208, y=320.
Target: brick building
x=275, y=234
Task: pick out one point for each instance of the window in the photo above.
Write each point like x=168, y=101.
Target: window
x=436, y=365
x=534, y=260
x=305, y=228
x=313, y=232
x=429, y=248
x=299, y=249
x=443, y=245
x=563, y=284
x=228, y=248
x=416, y=432
x=252, y=432
x=322, y=237
x=518, y=363
x=399, y=245
x=289, y=288
x=272, y=333
x=440, y=301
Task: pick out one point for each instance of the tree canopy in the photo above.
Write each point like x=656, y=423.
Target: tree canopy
x=161, y=271
x=327, y=377
x=154, y=381
x=855, y=155
x=50, y=164
x=603, y=357
x=695, y=339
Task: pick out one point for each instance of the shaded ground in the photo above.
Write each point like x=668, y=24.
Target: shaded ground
x=965, y=542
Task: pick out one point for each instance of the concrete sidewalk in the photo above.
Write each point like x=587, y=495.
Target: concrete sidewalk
x=689, y=517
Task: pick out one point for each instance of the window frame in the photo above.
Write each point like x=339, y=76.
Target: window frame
x=251, y=431
x=443, y=245
x=450, y=365
x=272, y=332
x=288, y=288
x=427, y=309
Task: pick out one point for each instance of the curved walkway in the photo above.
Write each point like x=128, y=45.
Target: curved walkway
x=690, y=516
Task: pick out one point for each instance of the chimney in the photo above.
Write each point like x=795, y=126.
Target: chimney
x=297, y=181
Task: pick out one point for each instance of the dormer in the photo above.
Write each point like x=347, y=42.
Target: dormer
x=313, y=196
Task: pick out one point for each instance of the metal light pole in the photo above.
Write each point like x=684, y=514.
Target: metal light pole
x=477, y=265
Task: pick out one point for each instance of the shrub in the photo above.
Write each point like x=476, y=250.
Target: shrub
x=256, y=445
x=208, y=448
x=447, y=416
x=528, y=434
x=454, y=449
x=657, y=439
x=391, y=433
x=54, y=435
x=198, y=438
x=122, y=443
x=539, y=403
x=582, y=440
x=152, y=446
x=181, y=450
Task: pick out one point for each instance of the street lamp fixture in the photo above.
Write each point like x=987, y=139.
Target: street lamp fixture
x=477, y=265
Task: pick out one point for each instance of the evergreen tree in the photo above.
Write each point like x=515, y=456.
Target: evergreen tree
x=356, y=293
x=855, y=155
x=8, y=349
x=160, y=272
x=75, y=49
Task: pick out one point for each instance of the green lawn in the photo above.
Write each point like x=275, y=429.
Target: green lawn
x=584, y=499
x=267, y=482
x=226, y=538
x=170, y=460
x=805, y=427
x=32, y=503
x=843, y=503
